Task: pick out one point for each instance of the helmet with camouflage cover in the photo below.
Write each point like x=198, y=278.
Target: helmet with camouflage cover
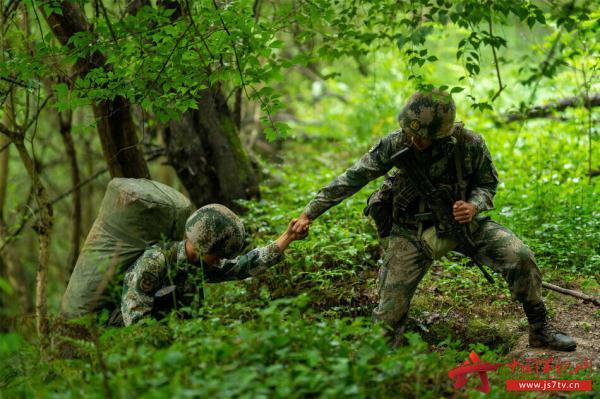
x=215, y=229
x=428, y=115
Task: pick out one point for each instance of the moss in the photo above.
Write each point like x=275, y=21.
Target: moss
x=495, y=335
x=244, y=167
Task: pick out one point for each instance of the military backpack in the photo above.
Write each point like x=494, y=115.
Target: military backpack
x=134, y=214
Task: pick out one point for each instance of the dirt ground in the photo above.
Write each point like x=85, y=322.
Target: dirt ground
x=578, y=319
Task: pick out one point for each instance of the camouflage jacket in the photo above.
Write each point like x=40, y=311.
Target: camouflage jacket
x=477, y=169
x=165, y=268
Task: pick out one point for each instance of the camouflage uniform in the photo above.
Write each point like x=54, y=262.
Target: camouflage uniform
x=162, y=267
x=406, y=261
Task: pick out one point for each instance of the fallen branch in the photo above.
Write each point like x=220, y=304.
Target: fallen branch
x=576, y=294
x=594, y=173
x=546, y=111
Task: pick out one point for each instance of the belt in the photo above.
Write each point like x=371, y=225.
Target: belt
x=416, y=218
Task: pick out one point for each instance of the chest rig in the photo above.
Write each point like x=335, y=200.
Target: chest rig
x=397, y=201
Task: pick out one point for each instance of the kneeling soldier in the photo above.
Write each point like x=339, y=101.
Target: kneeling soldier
x=172, y=275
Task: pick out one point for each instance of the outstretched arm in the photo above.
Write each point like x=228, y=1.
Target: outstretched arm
x=372, y=165
x=255, y=261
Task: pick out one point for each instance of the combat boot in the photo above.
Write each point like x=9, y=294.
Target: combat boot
x=394, y=335
x=544, y=335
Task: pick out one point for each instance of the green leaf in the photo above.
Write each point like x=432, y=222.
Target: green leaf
x=539, y=16
x=270, y=134
x=277, y=44
x=401, y=41
x=5, y=286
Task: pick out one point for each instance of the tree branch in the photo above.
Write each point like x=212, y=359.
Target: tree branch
x=500, y=85
x=573, y=293
x=546, y=111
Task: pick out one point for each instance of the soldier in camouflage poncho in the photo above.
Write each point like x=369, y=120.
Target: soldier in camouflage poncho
x=173, y=275
x=459, y=160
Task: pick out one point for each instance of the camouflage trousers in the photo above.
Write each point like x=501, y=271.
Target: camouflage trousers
x=407, y=260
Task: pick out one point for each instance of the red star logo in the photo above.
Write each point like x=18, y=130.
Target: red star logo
x=471, y=366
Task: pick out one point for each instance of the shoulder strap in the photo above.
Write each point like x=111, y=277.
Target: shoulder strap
x=458, y=157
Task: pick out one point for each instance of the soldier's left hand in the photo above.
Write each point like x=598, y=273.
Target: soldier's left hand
x=463, y=212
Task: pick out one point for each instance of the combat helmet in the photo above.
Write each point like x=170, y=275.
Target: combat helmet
x=428, y=115
x=215, y=229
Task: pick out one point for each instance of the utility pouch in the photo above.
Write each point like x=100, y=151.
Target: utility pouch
x=380, y=209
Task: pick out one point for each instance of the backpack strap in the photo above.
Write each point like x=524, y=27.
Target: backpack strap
x=458, y=158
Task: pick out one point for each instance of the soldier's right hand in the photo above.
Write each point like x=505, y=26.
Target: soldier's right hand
x=300, y=225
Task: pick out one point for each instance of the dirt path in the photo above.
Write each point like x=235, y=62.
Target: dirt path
x=581, y=321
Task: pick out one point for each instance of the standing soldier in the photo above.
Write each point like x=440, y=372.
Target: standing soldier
x=173, y=275
x=455, y=159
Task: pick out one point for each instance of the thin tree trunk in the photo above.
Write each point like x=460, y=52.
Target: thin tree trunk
x=13, y=270
x=44, y=230
x=4, y=156
x=237, y=109
x=65, y=124
x=114, y=120
x=88, y=203
x=15, y=274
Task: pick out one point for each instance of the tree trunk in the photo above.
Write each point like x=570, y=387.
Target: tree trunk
x=115, y=124
x=89, y=167
x=4, y=157
x=11, y=268
x=65, y=123
x=207, y=153
x=44, y=230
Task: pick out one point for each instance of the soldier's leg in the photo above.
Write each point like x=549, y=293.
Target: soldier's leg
x=403, y=268
x=505, y=253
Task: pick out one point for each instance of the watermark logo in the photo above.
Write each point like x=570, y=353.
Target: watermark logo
x=471, y=367
x=474, y=367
